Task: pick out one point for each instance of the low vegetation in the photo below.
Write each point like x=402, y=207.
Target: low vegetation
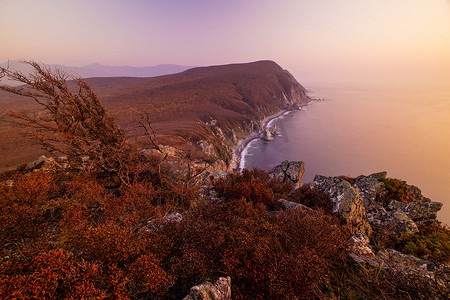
x=430, y=243
x=396, y=190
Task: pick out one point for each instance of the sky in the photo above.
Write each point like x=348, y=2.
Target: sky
x=316, y=40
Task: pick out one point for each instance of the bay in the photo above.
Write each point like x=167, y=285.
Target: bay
x=358, y=130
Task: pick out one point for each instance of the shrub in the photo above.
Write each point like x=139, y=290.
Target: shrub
x=268, y=257
x=55, y=274
x=29, y=206
x=432, y=243
x=254, y=186
x=396, y=190
x=312, y=198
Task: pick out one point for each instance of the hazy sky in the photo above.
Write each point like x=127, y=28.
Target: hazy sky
x=317, y=40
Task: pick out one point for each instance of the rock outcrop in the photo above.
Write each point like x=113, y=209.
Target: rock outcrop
x=348, y=204
x=391, y=216
x=390, y=222
x=369, y=186
x=267, y=135
x=44, y=163
x=289, y=171
x=406, y=270
x=220, y=290
x=424, y=211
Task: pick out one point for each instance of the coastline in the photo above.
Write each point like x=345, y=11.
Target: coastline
x=243, y=143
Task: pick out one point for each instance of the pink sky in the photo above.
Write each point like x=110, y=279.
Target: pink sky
x=320, y=40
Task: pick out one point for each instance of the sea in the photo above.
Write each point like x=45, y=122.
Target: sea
x=360, y=130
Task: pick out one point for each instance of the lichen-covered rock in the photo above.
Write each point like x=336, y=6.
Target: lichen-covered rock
x=289, y=205
x=406, y=270
x=44, y=163
x=347, y=203
x=220, y=290
x=359, y=243
x=289, y=171
x=390, y=222
x=174, y=217
x=369, y=186
x=417, y=211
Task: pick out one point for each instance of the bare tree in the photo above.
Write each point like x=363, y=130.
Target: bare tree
x=72, y=121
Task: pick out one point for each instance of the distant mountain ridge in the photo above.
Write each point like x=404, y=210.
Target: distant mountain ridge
x=98, y=70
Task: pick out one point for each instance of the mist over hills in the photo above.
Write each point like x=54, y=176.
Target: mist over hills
x=98, y=70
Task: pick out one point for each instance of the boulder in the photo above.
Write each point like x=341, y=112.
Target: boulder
x=359, y=244
x=274, y=130
x=174, y=217
x=37, y=163
x=347, y=203
x=289, y=205
x=44, y=163
x=390, y=222
x=220, y=290
x=404, y=270
x=289, y=171
x=369, y=186
x=417, y=211
x=267, y=135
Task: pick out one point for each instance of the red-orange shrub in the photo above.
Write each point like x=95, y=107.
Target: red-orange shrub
x=253, y=185
x=312, y=198
x=27, y=206
x=55, y=274
x=267, y=257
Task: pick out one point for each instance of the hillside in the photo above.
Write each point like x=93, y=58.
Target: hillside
x=180, y=106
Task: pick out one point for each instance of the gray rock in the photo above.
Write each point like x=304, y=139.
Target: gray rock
x=289, y=205
x=415, y=192
x=417, y=211
x=220, y=290
x=37, y=163
x=406, y=270
x=347, y=203
x=289, y=171
x=174, y=217
x=44, y=163
x=390, y=222
x=359, y=243
x=369, y=186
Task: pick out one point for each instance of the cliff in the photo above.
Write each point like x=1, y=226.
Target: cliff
x=208, y=107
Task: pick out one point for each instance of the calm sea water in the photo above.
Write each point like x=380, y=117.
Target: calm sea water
x=354, y=131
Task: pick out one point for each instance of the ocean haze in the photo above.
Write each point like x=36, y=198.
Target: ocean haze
x=360, y=130
x=98, y=70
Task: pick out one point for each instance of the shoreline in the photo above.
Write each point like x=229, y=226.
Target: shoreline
x=244, y=142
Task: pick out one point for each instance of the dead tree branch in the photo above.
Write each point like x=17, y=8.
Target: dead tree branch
x=72, y=121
